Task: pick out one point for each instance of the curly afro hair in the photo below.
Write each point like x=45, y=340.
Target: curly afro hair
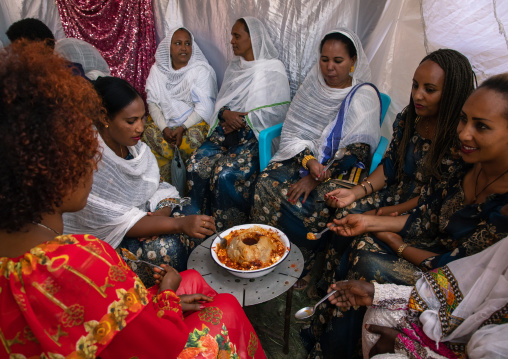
x=49, y=143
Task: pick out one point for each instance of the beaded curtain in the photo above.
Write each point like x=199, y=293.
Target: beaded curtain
x=122, y=30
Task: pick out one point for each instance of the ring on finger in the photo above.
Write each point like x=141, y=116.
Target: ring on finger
x=204, y=224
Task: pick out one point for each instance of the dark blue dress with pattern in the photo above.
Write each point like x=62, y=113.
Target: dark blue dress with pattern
x=441, y=223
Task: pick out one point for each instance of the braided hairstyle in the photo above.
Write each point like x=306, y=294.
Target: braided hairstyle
x=459, y=82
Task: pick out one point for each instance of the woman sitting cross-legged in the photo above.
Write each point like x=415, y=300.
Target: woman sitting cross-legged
x=455, y=218
x=181, y=91
x=456, y=311
x=129, y=207
x=71, y=295
x=254, y=96
x=334, y=108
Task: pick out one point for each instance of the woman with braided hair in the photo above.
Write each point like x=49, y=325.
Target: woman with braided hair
x=422, y=148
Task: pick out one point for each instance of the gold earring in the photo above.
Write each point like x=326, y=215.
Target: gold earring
x=352, y=68
x=106, y=125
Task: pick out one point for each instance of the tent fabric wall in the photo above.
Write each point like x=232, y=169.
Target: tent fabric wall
x=396, y=34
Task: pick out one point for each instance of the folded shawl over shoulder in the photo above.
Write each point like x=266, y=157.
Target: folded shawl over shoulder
x=315, y=106
x=180, y=92
x=250, y=85
x=464, y=300
x=123, y=191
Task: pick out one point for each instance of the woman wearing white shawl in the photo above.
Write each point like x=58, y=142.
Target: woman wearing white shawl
x=334, y=108
x=181, y=91
x=254, y=95
x=128, y=206
x=458, y=309
x=85, y=54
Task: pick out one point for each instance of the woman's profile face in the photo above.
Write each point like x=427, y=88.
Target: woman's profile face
x=126, y=127
x=427, y=89
x=335, y=64
x=181, y=49
x=240, y=41
x=483, y=129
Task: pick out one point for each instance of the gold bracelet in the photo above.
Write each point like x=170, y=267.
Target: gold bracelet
x=307, y=159
x=401, y=249
x=364, y=188
x=370, y=184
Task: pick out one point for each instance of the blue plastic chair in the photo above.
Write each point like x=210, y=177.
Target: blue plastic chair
x=383, y=142
x=268, y=134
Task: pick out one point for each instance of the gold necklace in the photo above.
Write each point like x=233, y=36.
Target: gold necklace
x=476, y=194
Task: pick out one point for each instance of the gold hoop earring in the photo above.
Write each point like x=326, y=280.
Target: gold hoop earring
x=352, y=68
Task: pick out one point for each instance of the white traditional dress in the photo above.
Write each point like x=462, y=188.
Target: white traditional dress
x=124, y=190
x=178, y=97
x=319, y=121
x=453, y=310
x=220, y=173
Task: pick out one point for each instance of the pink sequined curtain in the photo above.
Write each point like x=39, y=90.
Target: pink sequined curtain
x=122, y=30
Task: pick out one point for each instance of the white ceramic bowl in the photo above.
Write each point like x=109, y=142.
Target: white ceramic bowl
x=255, y=273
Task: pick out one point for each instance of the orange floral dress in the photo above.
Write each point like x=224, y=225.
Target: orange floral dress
x=74, y=297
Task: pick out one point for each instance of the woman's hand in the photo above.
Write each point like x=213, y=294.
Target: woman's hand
x=196, y=226
x=167, y=133
x=192, y=301
x=340, y=198
x=316, y=171
x=170, y=278
x=351, y=225
x=303, y=187
x=234, y=120
x=178, y=136
x=386, y=342
x=352, y=293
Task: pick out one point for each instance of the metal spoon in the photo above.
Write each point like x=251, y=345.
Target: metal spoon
x=129, y=256
x=223, y=241
x=309, y=311
x=338, y=156
x=313, y=236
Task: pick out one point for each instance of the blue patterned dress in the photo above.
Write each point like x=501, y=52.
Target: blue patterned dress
x=441, y=223
x=220, y=179
x=270, y=205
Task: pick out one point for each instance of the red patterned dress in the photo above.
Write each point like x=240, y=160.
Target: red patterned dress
x=74, y=297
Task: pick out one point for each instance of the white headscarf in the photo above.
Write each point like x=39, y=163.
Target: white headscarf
x=76, y=50
x=482, y=280
x=180, y=92
x=122, y=193
x=315, y=107
x=249, y=85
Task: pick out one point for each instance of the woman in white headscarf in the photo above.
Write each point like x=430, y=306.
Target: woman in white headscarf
x=81, y=52
x=254, y=96
x=181, y=91
x=334, y=108
x=454, y=311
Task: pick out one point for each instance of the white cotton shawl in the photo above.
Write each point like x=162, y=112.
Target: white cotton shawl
x=483, y=281
x=249, y=85
x=315, y=107
x=76, y=50
x=180, y=92
x=122, y=193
